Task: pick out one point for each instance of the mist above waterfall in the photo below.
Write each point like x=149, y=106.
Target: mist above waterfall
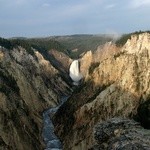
x=74, y=72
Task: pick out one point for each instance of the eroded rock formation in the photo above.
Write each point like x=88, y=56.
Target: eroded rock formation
x=63, y=59
x=121, y=134
x=28, y=85
x=115, y=86
x=85, y=63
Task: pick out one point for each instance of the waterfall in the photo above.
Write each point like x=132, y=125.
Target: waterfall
x=74, y=72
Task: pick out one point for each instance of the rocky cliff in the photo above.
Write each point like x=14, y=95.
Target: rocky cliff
x=85, y=63
x=28, y=85
x=90, y=60
x=62, y=58
x=115, y=86
x=118, y=133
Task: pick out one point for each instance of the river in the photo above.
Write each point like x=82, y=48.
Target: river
x=51, y=140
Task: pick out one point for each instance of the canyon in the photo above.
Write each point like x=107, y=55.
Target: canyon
x=115, y=85
x=29, y=85
x=112, y=95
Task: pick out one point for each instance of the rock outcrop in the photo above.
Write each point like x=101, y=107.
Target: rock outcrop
x=28, y=85
x=137, y=44
x=115, y=86
x=63, y=59
x=85, y=63
x=90, y=59
x=105, y=51
x=121, y=134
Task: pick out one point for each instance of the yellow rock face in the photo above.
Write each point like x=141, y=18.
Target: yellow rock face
x=115, y=87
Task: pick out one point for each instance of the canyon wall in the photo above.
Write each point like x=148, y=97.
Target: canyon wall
x=114, y=87
x=29, y=84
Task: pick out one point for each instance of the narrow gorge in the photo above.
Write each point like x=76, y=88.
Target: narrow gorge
x=50, y=139
x=52, y=99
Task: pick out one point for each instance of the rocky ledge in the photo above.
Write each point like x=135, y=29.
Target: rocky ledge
x=121, y=134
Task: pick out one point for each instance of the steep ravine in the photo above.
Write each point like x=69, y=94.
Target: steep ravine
x=29, y=84
x=114, y=87
x=50, y=139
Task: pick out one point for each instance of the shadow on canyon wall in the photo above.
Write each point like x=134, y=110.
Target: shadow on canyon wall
x=90, y=104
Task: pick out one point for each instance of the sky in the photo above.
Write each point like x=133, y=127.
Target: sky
x=41, y=18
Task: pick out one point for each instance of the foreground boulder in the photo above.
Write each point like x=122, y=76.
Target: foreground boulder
x=121, y=134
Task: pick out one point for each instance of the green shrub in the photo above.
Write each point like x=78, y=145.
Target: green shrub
x=6, y=43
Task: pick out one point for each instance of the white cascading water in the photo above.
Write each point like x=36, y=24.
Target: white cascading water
x=74, y=72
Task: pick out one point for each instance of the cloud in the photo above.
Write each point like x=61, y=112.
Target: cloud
x=110, y=6
x=139, y=3
x=45, y=5
x=39, y=17
x=20, y=2
x=96, y=1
